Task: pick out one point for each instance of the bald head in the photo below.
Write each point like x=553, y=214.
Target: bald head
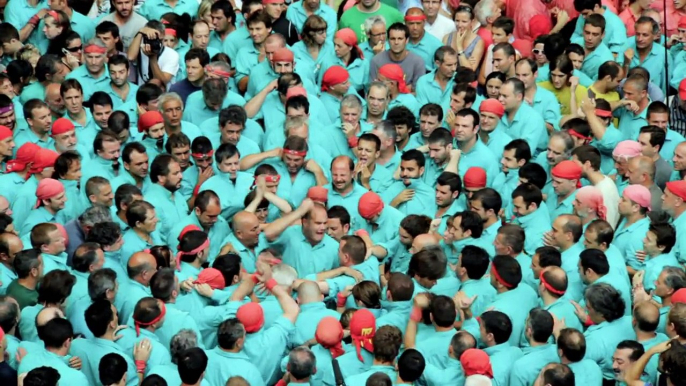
x=47, y=314
x=244, y=220
x=556, y=279
x=10, y=244
x=142, y=266
x=342, y=161
x=414, y=11
x=643, y=164
x=422, y=241
x=647, y=316
x=52, y=90
x=309, y=292
x=276, y=39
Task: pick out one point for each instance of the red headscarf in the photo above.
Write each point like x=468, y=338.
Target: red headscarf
x=395, y=73
x=251, y=317
x=25, y=155
x=568, y=170
x=349, y=37
x=5, y=132
x=44, y=158
x=370, y=205
x=362, y=330
x=148, y=120
x=47, y=189
x=283, y=55
x=62, y=126
x=318, y=194
x=333, y=76
x=329, y=334
x=211, y=276
x=475, y=178
x=492, y=106
x=475, y=361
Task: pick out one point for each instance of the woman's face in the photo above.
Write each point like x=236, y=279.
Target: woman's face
x=207, y=16
x=558, y=78
x=463, y=21
x=51, y=29
x=170, y=41
x=342, y=49
x=319, y=36
x=538, y=54
x=493, y=88
x=75, y=47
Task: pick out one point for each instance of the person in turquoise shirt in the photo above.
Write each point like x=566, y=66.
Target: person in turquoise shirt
x=236, y=40
x=246, y=239
x=92, y=75
x=634, y=109
x=11, y=245
x=20, y=12
x=543, y=101
x=42, y=167
x=632, y=230
x=281, y=61
x=299, y=13
x=118, y=86
x=381, y=222
x=200, y=107
x=273, y=110
x=521, y=120
x=393, y=77
x=452, y=373
x=143, y=234
x=87, y=259
x=165, y=175
x=260, y=27
x=643, y=51
x=609, y=326
x=141, y=268
x=515, y=155
x=386, y=342
x=229, y=359
x=613, y=33
x=675, y=193
x=565, y=235
x=437, y=85
x=155, y=9
x=135, y=172
x=566, y=177
x=420, y=42
x=312, y=311
x=344, y=190
x=148, y=316
x=230, y=184
x=473, y=151
x=539, y=329
x=59, y=330
x=552, y=288
x=199, y=38
x=103, y=316
x=434, y=342
x=83, y=25
x=531, y=214
x=314, y=37
x=368, y=152
x=348, y=55
x=206, y=216
x=38, y=131
x=596, y=52
x=49, y=208
x=658, y=244
x=646, y=317
x=410, y=194
x=493, y=330
x=572, y=347
x=448, y=199
x=301, y=243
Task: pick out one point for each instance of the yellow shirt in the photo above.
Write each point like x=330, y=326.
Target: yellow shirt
x=612, y=96
x=563, y=96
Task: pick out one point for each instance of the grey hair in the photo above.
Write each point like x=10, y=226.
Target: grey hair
x=301, y=363
x=387, y=128
x=168, y=97
x=284, y=274
x=605, y=300
x=483, y=10
x=182, y=341
x=97, y=42
x=219, y=65
x=351, y=102
x=566, y=139
x=100, y=281
x=295, y=123
x=675, y=278
x=95, y=214
x=372, y=21
x=378, y=84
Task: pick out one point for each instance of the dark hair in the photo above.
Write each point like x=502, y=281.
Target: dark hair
x=541, y=324
x=111, y=369
x=450, y=179
x=411, y=365
x=534, y=174
x=657, y=135
x=109, y=27
x=489, y=198
x=594, y=259
x=549, y=256
x=588, y=153
x=124, y=195
x=55, y=287
x=192, y=364
x=339, y=212
x=529, y=193
x=470, y=221
x=572, y=343
x=504, y=23
x=475, y=260
x=498, y=324
x=42, y=376
x=64, y=162
x=665, y=235
x=398, y=26
x=160, y=167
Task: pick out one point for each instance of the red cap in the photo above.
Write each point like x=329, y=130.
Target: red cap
x=678, y=188
x=329, y=334
x=395, y=73
x=5, y=132
x=475, y=178
x=211, y=276
x=335, y=75
x=568, y=170
x=148, y=120
x=62, y=126
x=318, y=194
x=682, y=89
x=492, y=106
x=370, y=205
x=251, y=317
x=25, y=155
x=362, y=330
x=44, y=158
x=476, y=362
x=679, y=296
x=349, y=37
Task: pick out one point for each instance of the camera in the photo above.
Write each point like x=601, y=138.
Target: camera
x=155, y=44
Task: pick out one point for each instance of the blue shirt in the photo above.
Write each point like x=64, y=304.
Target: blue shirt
x=502, y=358
x=602, y=340
x=236, y=40
x=679, y=249
x=170, y=207
x=630, y=124
x=231, y=193
x=159, y=355
x=135, y=291
x=525, y=369
x=89, y=83
x=307, y=259
x=528, y=125
x=155, y=9
x=429, y=91
x=38, y=358
x=20, y=11
x=557, y=208
x=586, y=372
x=91, y=352
x=197, y=112
x=266, y=346
x=426, y=48
x=222, y=365
x=535, y=225
x=116, y=98
x=81, y=24
x=361, y=378
x=629, y=239
x=308, y=320
x=516, y=304
x=248, y=255
x=654, y=62
x=423, y=201
x=297, y=15
x=349, y=201
x=134, y=243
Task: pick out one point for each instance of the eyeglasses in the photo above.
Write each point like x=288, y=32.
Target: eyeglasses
x=537, y=52
x=75, y=49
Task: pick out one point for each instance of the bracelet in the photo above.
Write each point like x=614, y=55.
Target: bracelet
x=34, y=20
x=352, y=141
x=340, y=300
x=254, y=278
x=416, y=314
x=270, y=284
x=196, y=190
x=140, y=366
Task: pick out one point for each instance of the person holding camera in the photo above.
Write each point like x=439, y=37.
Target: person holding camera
x=151, y=59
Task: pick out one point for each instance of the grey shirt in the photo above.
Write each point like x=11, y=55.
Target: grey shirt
x=413, y=66
x=663, y=171
x=655, y=198
x=129, y=30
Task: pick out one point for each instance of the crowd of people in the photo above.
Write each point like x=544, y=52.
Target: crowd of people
x=343, y=192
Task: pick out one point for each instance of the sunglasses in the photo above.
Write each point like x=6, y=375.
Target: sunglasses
x=75, y=49
x=537, y=52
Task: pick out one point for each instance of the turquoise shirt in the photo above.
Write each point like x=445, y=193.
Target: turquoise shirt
x=89, y=83
x=134, y=243
x=654, y=62
x=81, y=24
x=399, y=255
x=117, y=100
x=12, y=183
x=630, y=124
x=651, y=368
x=423, y=201
x=452, y=374
x=7, y=275
x=570, y=264
x=54, y=262
x=170, y=207
x=155, y=9
x=197, y=112
x=361, y=378
x=272, y=310
x=497, y=140
x=605, y=146
x=505, y=184
x=615, y=32
x=602, y=340
x=351, y=365
x=248, y=256
x=131, y=109
x=679, y=249
x=209, y=317
x=458, y=205
x=26, y=136
x=429, y=91
x=217, y=233
x=27, y=323
x=525, y=370
x=91, y=352
x=386, y=226
x=222, y=365
x=524, y=261
x=502, y=358
x=307, y=259
x=246, y=59
x=77, y=317
x=629, y=240
x=484, y=291
x=252, y=130
x=406, y=100
x=557, y=208
x=24, y=202
x=434, y=346
x=586, y=372
x=382, y=177
x=20, y=11
x=308, y=320
x=595, y=59
x=175, y=321
x=293, y=190
x=546, y=104
x=236, y=40
x=183, y=73
x=535, y=225
x=349, y=201
x=370, y=272
x=516, y=304
x=125, y=177
x=671, y=141
x=265, y=347
x=397, y=314
x=297, y=15
x=654, y=266
x=528, y=125
x=231, y=193
x=79, y=291
x=39, y=358
x=135, y=291
x=74, y=205
x=169, y=372
x=35, y=90
x=302, y=55
x=263, y=73
x=564, y=309
x=358, y=70
x=39, y=216
x=159, y=355
x=426, y=48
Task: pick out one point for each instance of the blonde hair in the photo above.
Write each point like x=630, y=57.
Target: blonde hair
x=204, y=7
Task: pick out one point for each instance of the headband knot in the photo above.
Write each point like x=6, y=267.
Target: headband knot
x=138, y=323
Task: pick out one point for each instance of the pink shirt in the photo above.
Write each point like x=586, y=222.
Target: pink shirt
x=629, y=19
x=673, y=16
x=527, y=9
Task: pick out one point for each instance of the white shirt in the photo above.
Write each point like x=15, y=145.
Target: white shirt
x=168, y=62
x=611, y=199
x=441, y=27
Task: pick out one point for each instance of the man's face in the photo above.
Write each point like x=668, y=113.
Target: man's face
x=454, y=230
x=409, y=170
x=105, y=195
x=200, y=36
x=477, y=207
x=211, y=214
x=123, y=7
x=57, y=203
x=556, y=152
x=8, y=119
x=172, y=111
x=644, y=35
x=457, y=101
x=559, y=237
x=448, y=66
x=350, y=115
x=509, y=161
x=139, y=164
x=174, y=177
x=633, y=173
x=416, y=28
x=650, y=244
x=95, y=62
x=258, y=32
x=661, y=287
x=679, y=158
x=335, y=229
x=56, y=244
x=444, y=197
x=109, y=41
x=55, y=102
x=592, y=36
x=293, y=162
x=402, y=132
x=377, y=34
x=150, y=223
x=231, y=133
x=397, y=41
x=74, y=172
x=219, y=21
x=65, y=141
x=632, y=92
x=101, y=114
x=194, y=70
x=501, y=62
x=464, y=129
x=488, y=121
x=519, y=207
x=621, y=362
x=6, y=147
x=377, y=98
x=508, y=98
x=660, y=120
x=230, y=165
x=341, y=176
x=563, y=186
x=439, y=153
x=539, y=56
x=367, y=153
x=182, y=155
x=625, y=207
x=274, y=10
x=427, y=124
x=73, y=99
x=314, y=227
x=591, y=239
x=576, y=59
x=6, y=88
x=536, y=265
x=119, y=74
x=203, y=162
x=559, y=79
x=499, y=35
x=647, y=149
x=41, y=119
